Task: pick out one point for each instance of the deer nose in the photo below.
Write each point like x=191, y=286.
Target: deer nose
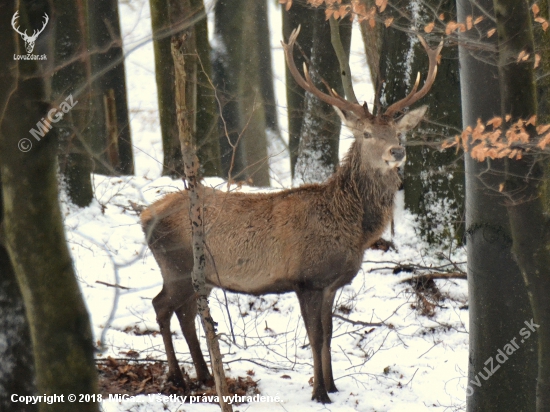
x=398, y=153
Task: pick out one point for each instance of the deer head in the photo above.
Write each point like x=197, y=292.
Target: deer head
x=378, y=136
x=29, y=40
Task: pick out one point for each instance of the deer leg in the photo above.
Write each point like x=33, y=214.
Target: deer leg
x=186, y=315
x=310, y=302
x=326, y=318
x=164, y=310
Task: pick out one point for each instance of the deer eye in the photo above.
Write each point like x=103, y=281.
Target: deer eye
x=367, y=135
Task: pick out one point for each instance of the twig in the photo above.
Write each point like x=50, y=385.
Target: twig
x=111, y=285
x=356, y=322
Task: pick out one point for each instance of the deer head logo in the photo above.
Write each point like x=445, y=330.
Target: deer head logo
x=29, y=40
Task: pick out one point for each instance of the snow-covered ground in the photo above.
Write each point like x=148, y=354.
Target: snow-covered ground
x=411, y=363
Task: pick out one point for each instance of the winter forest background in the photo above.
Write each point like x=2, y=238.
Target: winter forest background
x=441, y=315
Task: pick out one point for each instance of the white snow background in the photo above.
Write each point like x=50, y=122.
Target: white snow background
x=412, y=363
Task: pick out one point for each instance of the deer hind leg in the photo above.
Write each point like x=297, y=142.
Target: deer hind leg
x=326, y=319
x=164, y=309
x=310, y=302
x=186, y=315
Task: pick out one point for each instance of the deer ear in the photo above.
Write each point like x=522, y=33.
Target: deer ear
x=411, y=119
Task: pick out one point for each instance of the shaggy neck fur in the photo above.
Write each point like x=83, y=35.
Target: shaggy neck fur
x=360, y=193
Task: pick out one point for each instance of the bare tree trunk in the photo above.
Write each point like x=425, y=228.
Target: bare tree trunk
x=70, y=44
x=17, y=366
x=206, y=137
x=33, y=229
x=498, y=300
x=243, y=138
x=528, y=221
x=183, y=54
x=112, y=144
x=314, y=127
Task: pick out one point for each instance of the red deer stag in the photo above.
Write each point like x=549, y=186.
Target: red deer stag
x=309, y=240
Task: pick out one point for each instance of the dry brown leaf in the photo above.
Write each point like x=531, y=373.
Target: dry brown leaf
x=442, y=16
x=381, y=5
x=545, y=26
x=491, y=32
x=508, y=117
x=388, y=22
x=544, y=141
x=535, y=8
x=287, y=3
x=543, y=128
x=495, y=122
x=522, y=56
x=372, y=23
x=478, y=20
x=451, y=26
x=429, y=27
x=469, y=23
x=532, y=120
x=501, y=187
x=540, y=19
x=537, y=61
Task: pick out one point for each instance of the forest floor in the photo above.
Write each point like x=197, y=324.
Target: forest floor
x=415, y=359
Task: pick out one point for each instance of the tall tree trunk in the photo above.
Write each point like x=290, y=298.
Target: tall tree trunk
x=243, y=138
x=17, y=366
x=33, y=228
x=498, y=300
x=111, y=143
x=69, y=38
x=206, y=137
x=164, y=73
x=523, y=182
x=314, y=127
x=433, y=180
x=167, y=21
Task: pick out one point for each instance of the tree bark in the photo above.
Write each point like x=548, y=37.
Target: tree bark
x=314, y=126
x=208, y=146
x=72, y=71
x=33, y=229
x=182, y=51
x=523, y=182
x=433, y=179
x=17, y=366
x=112, y=144
x=243, y=139
x=498, y=300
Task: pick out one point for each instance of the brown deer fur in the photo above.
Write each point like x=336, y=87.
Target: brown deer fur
x=309, y=240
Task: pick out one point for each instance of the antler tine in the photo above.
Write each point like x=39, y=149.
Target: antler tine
x=414, y=96
x=308, y=85
x=14, y=22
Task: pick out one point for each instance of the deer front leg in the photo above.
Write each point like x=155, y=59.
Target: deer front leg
x=186, y=315
x=310, y=303
x=164, y=312
x=326, y=318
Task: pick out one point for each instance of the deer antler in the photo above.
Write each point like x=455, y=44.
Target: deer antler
x=37, y=32
x=414, y=96
x=307, y=84
x=14, y=22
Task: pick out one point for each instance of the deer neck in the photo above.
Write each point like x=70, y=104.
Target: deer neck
x=363, y=193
